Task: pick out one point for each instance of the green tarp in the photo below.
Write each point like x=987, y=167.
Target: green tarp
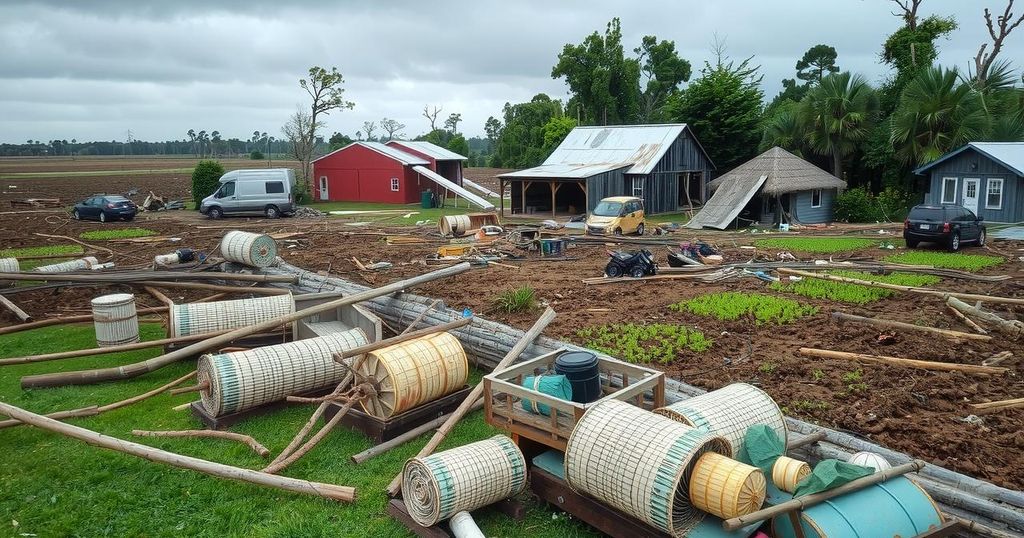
x=830, y=474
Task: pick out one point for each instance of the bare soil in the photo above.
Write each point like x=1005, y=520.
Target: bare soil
x=919, y=412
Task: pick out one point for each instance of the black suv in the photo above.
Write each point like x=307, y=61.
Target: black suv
x=949, y=225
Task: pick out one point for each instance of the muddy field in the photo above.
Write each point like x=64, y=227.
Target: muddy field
x=915, y=411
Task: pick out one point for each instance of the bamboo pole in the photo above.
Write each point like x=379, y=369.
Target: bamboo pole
x=1014, y=329
x=386, y=446
x=878, y=322
x=404, y=337
x=211, y=287
x=291, y=458
x=252, y=443
x=15, y=309
x=905, y=363
x=159, y=295
x=329, y=491
x=181, y=407
x=69, y=319
x=194, y=388
x=84, y=377
x=214, y=297
x=966, y=320
x=911, y=289
x=807, y=501
x=125, y=277
x=806, y=440
x=538, y=327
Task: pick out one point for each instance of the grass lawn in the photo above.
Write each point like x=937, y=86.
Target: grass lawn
x=56, y=486
x=822, y=245
x=116, y=233
x=946, y=260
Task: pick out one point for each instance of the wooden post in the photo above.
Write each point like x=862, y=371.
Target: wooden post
x=905, y=363
x=501, y=197
x=547, y=317
x=878, y=322
x=85, y=377
x=586, y=196
x=523, y=186
x=329, y=491
x=554, y=190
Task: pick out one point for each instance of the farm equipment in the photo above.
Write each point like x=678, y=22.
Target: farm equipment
x=635, y=264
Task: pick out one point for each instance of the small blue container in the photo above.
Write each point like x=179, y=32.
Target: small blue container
x=580, y=368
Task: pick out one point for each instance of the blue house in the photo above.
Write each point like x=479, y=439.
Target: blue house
x=985, y=177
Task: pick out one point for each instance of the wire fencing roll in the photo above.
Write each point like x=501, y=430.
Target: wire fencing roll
x=256, y=250
x=198, y=318
x=729, y=411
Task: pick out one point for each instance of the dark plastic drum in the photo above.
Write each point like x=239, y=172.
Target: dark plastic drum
x=580, y=368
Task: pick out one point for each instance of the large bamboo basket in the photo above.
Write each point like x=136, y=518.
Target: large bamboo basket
x=115, y=319
x=729, y=411
x=725, y=487
x=245, y=379
x=788, y=472
x=8, y=265
x=82, y=264
x=639, y=462
x=413, y=373
x=256, y=250
x=199, y=318
x=471, y=476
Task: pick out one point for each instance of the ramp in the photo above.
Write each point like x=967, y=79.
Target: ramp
x=727, y=202
x=479, y=188
x=452, y=187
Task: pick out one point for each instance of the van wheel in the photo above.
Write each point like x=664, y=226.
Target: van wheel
x=272, y=212
x=954, y=242
x=640, y=229
x=215, y=212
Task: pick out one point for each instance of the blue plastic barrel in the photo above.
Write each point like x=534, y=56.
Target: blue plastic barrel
x=896, y=507
x=580, y=368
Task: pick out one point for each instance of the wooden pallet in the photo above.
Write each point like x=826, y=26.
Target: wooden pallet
x=380, y=430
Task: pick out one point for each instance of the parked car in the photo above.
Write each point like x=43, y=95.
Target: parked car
x=266, y=191
x=949, y=225
x=104, y=207
x=616, y=216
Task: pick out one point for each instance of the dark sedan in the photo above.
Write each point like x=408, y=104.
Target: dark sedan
x=948, y=225
x=104, y=207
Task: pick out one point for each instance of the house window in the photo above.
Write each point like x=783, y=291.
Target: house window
x=949, y=190
x=638, y=187
x=994, y=198
x=394, y=184
x=816, y=198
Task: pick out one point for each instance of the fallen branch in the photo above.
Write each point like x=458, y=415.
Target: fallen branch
x=15, y=309
x=966, y=320
x=216, y=434
x=329, y=491
x=905, y=363
x=1014, y=329
x=878, y=322
x=910, y=289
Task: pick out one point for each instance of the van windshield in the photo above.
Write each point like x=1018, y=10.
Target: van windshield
x=608, y=209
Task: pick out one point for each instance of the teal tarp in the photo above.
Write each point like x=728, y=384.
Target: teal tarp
x=829, y=474
x=761, y=447
x=553, y=385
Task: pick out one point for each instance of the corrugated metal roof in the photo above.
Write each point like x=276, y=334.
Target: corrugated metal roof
x=427, y=148
x=457, y=189
x=569, y=171
x=1009, y=154
x=394, y=153
x=726, y=204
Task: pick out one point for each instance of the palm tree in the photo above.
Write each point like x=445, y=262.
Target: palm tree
x=783, y=129
x=937, y=113
x=837, y=116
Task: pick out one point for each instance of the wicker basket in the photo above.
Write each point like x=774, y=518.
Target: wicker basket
x=725, y=487
x=639, y=462
x=82, y=264
x=788, y=472
x=246, y=379
x=414, y=373
x=256, y=250
x=438, y=486
x=8, y=265
x=729, y=411
x=115, y=319
x=199, y=318
x=871, y=460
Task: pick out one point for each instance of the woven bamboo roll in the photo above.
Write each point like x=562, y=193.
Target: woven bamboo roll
x=8, y=265
x=82, y=264
x=456, y=225
x=725, y=487
x=197, y=318
x=257, y=250
x=245, y=379
x=729, y=411
x=472, y=476
x=870, y=459
x=115, y=319
x=414, y=373
x=639, y=462
x=788, y=472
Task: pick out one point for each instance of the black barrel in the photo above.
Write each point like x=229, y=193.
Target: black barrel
x=580, y=368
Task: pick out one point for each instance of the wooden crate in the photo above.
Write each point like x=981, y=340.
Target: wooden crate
x=503, y=393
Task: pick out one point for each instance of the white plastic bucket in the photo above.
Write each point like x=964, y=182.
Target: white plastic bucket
x=115, y=319
x=463, y=526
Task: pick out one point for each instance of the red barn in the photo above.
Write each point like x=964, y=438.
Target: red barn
x=396, y=172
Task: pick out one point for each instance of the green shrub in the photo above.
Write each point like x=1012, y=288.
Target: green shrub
x=894, y=204
x=730, y=306
x=124, y=233
x=824, y=245
x=946, y=260
x=256, y=155
x=852, y=293
x=515, y=300
x=657, y=342
x=204, y=179
x=856, y=205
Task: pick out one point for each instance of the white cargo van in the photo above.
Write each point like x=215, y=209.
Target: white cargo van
x=266, y=191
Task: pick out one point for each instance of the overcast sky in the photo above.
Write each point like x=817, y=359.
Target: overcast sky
x=95, y=69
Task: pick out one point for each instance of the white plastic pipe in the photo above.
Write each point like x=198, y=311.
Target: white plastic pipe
x=463, y=526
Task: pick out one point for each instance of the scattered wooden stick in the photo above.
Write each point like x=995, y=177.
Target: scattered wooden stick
x=318, y=436
x=404, y=337
x=159, y=296
x=878, y=322
x=910, y=289
x=214, y=297
x=420, y=317
x=808, y=501
x=85, y=377
x=997, y=358
x=213, y=287
x=69, y=319
x=1010, y=404
x=329, y=491
x=15, y=309
x=216, y=434
x=384, y=447
x=905, y=363
x=1012, y=328
x=513, y=354
x=359, y=264
x=181, y=407
x=73, y=240
x=966, y=320
x=194, y=388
